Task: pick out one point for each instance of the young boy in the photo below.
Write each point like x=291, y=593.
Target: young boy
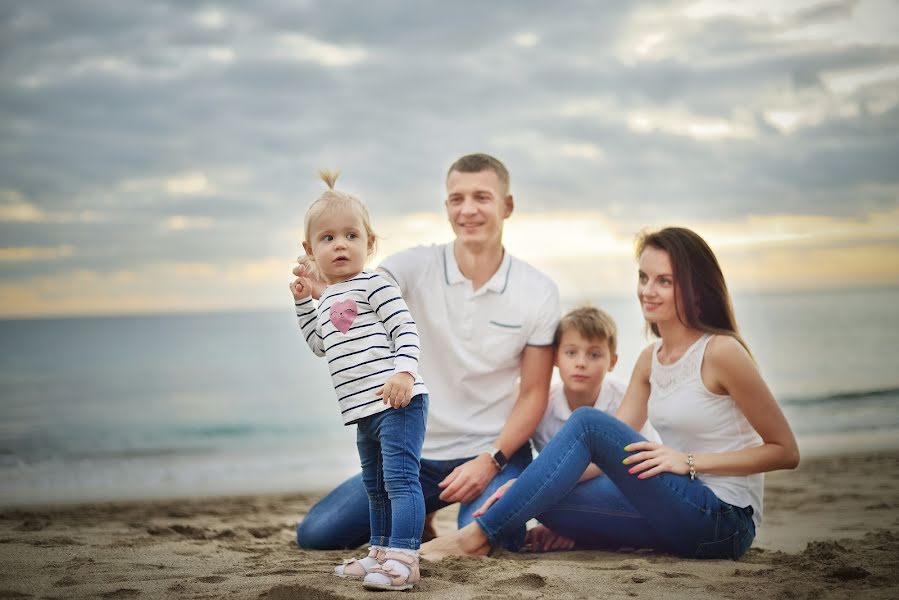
x=585, y=351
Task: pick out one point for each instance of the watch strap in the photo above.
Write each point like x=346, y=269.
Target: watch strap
x=499, y=459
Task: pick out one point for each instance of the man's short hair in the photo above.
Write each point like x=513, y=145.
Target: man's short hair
x=475, y=163
x=592, y=323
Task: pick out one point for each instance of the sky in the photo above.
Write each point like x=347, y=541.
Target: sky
x=159, y=156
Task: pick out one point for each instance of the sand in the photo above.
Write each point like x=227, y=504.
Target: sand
x=831, y=531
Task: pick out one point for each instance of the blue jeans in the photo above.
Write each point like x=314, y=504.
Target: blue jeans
x=666, y=512
x=389, y=444
x=340, y=519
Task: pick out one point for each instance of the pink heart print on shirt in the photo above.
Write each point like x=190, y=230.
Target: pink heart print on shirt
x=343, y=314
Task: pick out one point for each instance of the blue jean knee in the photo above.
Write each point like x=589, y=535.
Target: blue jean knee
x=339, y=520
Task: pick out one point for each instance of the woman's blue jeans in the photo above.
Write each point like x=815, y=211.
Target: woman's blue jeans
x=666, y=512
x=389, y=444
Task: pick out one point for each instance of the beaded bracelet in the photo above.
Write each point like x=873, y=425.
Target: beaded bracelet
x=692, y=466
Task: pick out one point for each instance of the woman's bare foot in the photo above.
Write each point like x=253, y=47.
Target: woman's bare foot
x=468, y=541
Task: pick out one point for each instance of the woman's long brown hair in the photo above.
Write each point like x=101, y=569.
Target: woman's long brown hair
x=701, y=297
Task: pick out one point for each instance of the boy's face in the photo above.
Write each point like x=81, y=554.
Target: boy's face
x=583, y=362
x=476, y=205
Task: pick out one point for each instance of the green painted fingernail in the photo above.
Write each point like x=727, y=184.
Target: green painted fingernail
x=627, y=448
x=624, y=462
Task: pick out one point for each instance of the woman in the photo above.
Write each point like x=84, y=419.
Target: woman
x=700, y=493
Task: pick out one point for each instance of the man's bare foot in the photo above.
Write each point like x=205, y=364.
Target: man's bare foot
x=468, y=541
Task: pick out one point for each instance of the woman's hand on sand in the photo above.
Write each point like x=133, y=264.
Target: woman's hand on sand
x=650, y=459
x=308, y=280
x=493, y=498
x=544, y=539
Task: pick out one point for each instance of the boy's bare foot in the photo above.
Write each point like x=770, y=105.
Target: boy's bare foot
x=468, y=541
x=543, y=539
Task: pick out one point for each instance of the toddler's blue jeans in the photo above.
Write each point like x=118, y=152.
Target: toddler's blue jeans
x=389, y=444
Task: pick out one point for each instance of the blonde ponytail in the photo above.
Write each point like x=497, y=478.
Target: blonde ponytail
x=329, y=177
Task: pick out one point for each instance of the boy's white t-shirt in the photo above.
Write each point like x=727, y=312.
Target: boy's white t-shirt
x=611, y=393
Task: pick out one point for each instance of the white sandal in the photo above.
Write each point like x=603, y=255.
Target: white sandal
x=393, y=577
x=357, y=569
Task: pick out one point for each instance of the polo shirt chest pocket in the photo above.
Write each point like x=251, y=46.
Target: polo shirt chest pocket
x=504, y=339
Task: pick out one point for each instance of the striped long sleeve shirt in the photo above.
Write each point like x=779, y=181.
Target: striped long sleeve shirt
x=363, y=327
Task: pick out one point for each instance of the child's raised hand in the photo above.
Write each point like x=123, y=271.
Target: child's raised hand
x=300, y=289
x=397, y=391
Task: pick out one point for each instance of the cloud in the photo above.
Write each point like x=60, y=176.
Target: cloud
x=164, y=133
x=304, y=48
x=182, y=222
x=32, y=253
x=838, y=10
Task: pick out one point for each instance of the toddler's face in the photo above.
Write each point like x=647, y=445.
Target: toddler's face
x=339, y=244
x=583, y=362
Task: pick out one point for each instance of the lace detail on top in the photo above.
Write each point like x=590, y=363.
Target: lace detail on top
x=665, y=378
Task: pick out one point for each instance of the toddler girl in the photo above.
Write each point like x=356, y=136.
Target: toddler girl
x=362, y=326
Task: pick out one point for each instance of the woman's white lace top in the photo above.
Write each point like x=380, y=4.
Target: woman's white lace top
x=690, y=418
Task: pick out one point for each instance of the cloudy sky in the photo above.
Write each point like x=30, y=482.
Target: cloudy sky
x=159, y=156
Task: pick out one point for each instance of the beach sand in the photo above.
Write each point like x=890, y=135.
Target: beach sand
x=831, y=531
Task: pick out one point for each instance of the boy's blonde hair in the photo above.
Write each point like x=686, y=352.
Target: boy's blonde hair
x=592, y=323
x=334, y=200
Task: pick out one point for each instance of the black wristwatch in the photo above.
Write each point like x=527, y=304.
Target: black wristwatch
x=499, y=459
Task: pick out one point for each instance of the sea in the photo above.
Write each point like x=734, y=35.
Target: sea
x=181, y=405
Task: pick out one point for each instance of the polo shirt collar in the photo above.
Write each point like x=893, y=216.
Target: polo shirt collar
x=563, y=411
x=454, y=276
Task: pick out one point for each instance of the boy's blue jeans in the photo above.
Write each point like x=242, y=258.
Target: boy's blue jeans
x=667, y=512
x=389, y=444
x=341, y=519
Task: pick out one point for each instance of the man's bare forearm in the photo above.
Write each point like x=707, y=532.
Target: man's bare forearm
x=522, y=422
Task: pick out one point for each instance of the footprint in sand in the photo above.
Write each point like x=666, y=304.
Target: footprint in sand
x=526, y=580
x=291, y=592
x=33, y=525
x=66, y=581
x=121, y=593
x=262, y=532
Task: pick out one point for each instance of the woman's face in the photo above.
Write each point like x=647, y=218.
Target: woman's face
x=656, y=290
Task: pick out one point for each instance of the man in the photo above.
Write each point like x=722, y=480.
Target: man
x=485, y=319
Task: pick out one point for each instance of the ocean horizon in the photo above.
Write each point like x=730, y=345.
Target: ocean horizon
x=124, y=407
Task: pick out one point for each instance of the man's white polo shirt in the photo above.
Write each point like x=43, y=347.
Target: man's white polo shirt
x=472, y=341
